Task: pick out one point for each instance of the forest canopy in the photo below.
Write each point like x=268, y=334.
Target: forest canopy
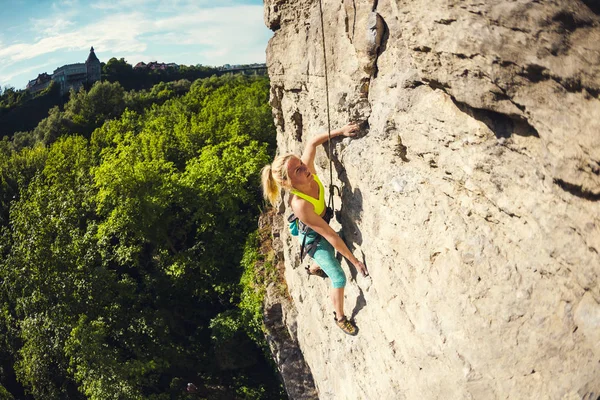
x=21, y=110
x=123, y=222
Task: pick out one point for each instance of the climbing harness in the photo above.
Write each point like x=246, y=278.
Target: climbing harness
x=296, y=226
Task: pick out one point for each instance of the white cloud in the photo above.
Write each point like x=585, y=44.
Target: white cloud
x=116, y=33
x=214, y=35
x=10, y=76
x=50, y=26
x=226, y=16
x=106, y=5
x=63, y=5
x=119, y=4
x=219, y=27
x=222, y=28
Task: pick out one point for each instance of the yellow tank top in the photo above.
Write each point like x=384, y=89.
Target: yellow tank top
x=318, y=204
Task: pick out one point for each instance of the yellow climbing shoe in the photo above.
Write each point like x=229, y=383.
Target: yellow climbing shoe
x=346, y=325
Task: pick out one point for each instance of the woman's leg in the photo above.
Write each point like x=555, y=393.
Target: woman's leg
x=324, y=256
x=337, y=296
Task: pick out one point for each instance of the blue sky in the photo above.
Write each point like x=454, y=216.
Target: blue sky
x=40, y=35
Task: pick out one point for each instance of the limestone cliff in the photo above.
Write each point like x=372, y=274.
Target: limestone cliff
x=473, y=194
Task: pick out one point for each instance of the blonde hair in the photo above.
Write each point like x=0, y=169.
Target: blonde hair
x=274, y=176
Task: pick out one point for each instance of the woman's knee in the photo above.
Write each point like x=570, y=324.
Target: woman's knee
x=334, y=271
x=325, y=257
x=340, y=283
x=338, y=280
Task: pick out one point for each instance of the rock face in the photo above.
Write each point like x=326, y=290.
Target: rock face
x=473, y=193
x=279, y=318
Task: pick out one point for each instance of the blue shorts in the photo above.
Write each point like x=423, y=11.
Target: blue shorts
x=324, y=256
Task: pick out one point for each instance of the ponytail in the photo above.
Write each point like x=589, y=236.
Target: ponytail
x=270, y=187
x=274, y=176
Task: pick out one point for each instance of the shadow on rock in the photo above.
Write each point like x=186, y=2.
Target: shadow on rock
x=349, y=215
x=360, y=304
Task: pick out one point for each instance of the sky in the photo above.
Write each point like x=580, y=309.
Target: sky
x=39, y=36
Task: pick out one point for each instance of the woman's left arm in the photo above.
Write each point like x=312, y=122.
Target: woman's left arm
x=308, y=156
x=305, y=212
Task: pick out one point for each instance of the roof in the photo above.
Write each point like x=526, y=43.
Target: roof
x=92, y=57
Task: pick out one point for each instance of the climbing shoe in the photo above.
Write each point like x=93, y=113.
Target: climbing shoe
x=317, y=272
x=346, y=325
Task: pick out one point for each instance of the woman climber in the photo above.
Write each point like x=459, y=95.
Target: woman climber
x=298, y=175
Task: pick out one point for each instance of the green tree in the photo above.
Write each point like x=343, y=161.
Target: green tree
x=86, y=110
x=120, y=256
x=117, y=70
x=49, y=129
x=48, y=238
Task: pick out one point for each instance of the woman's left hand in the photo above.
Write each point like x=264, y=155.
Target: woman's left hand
x=362, y=268
x=350, y=130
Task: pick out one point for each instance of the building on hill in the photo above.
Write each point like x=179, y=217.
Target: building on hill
x=40, y=83
x=94, y=69
x=155, y=65
x=78, y=74
x=245, y=69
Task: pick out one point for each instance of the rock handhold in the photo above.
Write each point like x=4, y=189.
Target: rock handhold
x=375, y=31
x=374, y=38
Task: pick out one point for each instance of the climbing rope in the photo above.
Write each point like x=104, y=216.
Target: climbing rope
x=331, y=186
